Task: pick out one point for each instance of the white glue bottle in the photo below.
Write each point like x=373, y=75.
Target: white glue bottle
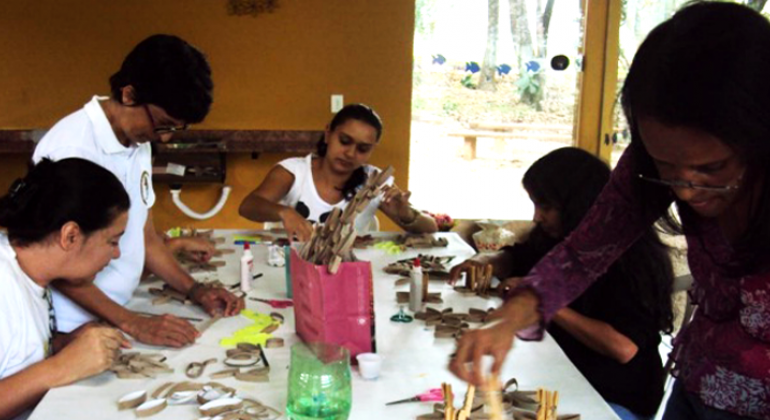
x=415, y=287
x=247, y=268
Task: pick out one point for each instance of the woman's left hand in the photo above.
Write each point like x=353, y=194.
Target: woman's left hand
x=195, y=248
x=216, y=300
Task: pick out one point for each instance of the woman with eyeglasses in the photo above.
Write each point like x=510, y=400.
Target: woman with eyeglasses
x=697, y=99
x=162, y=85
x=63, y=222
x=299, y=191
x=612, y=331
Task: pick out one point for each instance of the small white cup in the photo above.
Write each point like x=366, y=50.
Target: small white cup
x=369, y=365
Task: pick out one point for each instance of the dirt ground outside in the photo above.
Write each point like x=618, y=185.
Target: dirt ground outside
x=488, y=187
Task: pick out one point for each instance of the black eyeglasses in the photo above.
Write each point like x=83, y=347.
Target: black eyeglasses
x=163, y=129
x=687, y=184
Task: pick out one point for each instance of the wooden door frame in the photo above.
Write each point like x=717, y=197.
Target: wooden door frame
x=597, y=83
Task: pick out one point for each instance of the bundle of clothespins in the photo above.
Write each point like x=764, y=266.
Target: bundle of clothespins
x=478, y=280
x=496, y=402
x=548, y=402
x=330, y=243
x=470, y=409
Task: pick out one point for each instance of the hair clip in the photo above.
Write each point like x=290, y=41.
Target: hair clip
x=17, y=186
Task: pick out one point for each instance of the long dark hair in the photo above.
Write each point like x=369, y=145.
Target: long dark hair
x=570, y=180
x=54, y=193
x=359, y=112
x=707, y=68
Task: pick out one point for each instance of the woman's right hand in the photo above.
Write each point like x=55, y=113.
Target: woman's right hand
x=478, y=261
x=496, y=339
x=296, y=225
x=91, y=352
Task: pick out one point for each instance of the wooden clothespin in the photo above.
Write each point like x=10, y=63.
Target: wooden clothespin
x=449, y=401
x=465, y=411
x=494, y=397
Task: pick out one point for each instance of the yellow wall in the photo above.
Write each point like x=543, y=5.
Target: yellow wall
x=275, y=71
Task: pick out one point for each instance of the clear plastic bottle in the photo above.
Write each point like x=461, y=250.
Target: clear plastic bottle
x=415, y=287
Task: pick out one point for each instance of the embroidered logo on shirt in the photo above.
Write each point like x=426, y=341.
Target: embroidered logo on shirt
x=144, y=187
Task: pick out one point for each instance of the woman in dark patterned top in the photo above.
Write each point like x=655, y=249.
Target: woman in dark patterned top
x=612, y=331
x=697, y=98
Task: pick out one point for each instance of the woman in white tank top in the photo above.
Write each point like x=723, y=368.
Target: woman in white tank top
x=300, y=191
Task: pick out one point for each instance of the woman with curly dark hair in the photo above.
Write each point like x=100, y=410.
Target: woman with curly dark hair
x=303, y=190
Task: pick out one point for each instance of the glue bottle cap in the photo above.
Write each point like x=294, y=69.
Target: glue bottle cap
x=417, y=262
x=246, y=246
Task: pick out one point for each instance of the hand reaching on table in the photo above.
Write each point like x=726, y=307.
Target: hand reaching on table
x=163, y=330
x=62, y=340
x=495, y=340
x=197, y=249
x=217, y=301
x=478, y=261
x=296, y=225
x=91, y=351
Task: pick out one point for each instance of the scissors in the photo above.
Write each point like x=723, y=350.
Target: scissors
x=275, y=303
x=195, y=369
x=435, y=394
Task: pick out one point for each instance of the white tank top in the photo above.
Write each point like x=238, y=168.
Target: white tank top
x=304, y=198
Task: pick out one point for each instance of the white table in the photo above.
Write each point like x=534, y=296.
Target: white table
x=413, y=360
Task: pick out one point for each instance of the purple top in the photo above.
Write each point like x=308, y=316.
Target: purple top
x=723, y=356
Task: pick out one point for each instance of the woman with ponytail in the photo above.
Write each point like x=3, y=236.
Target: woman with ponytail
x=62, y=222
x=299, y=191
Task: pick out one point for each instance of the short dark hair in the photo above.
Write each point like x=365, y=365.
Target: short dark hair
x=570, y=180
x=54, y=193
x=359, y=112
x=166, y=71
x=707, y=68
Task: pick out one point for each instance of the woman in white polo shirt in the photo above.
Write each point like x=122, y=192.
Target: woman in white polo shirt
x=63, y=222
x=302, y=190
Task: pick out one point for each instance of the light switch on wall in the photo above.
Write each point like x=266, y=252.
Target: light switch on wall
x=337, y=103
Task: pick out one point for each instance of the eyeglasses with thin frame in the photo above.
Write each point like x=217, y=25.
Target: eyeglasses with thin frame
x=162, y=129
x=675, y=183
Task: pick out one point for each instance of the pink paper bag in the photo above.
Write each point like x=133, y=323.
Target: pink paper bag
x=334, y=308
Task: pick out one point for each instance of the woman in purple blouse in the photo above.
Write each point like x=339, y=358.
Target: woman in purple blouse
x=697, y=99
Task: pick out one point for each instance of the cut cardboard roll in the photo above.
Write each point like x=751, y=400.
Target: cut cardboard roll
x=151, y=407
x=132, y=400
x=217, y=407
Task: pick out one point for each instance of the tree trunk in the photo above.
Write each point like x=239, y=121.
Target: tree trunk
x=522, y=39
x=487, y=73
x=546, y=22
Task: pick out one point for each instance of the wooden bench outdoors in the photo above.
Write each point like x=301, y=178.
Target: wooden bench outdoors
x=552, y=132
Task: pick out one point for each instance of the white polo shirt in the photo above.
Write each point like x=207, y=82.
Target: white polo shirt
x=304, y=198
x=24, y=317
x=87, y=134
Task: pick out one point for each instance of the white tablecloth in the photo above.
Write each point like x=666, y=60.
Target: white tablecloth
x=413, y=361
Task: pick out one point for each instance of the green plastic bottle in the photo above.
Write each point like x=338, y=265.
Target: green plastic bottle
x=319, y=382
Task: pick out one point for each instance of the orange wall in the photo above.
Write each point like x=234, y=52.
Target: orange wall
x=274, y=71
